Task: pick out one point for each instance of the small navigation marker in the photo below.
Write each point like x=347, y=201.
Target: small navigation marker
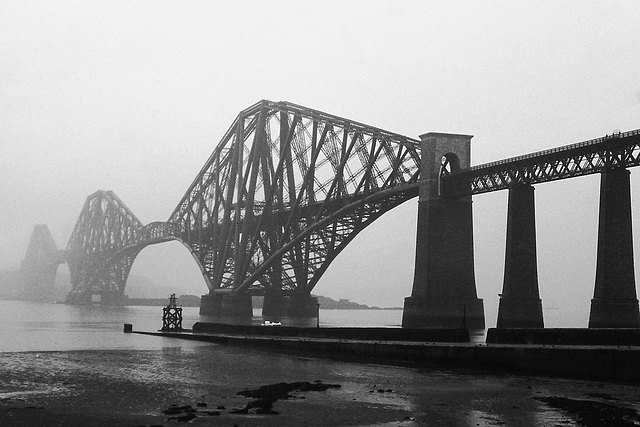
x=172, y=316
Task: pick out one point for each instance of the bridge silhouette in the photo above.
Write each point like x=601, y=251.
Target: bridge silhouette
x=289, y=187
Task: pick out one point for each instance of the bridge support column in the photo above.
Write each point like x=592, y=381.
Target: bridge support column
x=237, y=305
x=303, y=306
x=78, y=298
x=112, y=298
x=276, y=304
x=225, y=303
x=520, y=303
x=615, y=302
x=444, y=289
x=211, y=304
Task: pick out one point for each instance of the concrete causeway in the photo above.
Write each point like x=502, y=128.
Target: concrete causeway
x=596, y=362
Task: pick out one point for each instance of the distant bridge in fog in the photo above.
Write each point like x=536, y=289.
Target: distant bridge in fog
x=289, y=187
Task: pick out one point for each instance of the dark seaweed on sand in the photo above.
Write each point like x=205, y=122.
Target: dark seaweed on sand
x=267, y=395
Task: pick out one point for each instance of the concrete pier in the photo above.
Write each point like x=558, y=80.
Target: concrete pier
x=444, y=289
x=586, y=362
x=226, y=303
x=103, y=298
x=277, y=304
x=615, y=302
x=303, y=306
x=520, y=303
x=78, y=298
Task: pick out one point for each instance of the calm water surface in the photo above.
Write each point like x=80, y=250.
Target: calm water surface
x=32, y=326
x=130, y=377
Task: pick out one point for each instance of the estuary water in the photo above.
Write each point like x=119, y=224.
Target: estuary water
x=73, y=365
x=33, y=326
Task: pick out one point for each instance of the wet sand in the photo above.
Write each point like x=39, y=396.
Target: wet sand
x=201, y=385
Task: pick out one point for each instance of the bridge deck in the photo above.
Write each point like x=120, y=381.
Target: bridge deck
x=583, y=158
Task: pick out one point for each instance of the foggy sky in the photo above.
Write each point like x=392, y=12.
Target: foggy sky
x=133, y=97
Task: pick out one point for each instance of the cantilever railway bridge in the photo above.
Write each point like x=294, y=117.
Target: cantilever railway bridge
x=288, y=187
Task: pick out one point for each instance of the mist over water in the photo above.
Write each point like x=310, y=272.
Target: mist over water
x=133, y=97
x=94, y=98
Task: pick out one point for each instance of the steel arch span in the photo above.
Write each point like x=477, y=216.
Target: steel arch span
x=103, y=246
x=104, y=227
x=285, y=190
x=288, y=188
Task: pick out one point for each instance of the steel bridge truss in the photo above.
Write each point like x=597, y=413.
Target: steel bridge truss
x=612, y=151
x=38, y=269
x=284, y=192
x=104, y=243
x=105, y=227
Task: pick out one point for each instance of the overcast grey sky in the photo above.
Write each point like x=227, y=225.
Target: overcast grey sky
x=133, y=97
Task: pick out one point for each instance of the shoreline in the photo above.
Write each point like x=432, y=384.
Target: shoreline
x=222, y=385
x=590, y=362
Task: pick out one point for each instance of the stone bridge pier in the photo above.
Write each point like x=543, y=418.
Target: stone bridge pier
x=226, y=302
x=277, y=304
x=444, y=288
x=615, y=301
x=520, y=303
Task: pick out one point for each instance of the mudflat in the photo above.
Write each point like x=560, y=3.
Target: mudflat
x=226, y=386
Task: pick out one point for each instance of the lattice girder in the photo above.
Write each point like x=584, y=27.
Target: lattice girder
x=278, y=170
x=39, y=266
x=104, y=228
x=302, y=260
x=287, y=188
x=593, y=156
x=42, y=249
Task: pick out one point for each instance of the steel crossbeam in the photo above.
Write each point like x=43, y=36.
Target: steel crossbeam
x=611, y=151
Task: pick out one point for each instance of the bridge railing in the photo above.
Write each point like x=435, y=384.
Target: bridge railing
x=620, y=149
x=563, y=148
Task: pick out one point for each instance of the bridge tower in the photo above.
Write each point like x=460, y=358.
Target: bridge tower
x=40, y=264
x=615, y=302
x=444, y=289
x=104, y=243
